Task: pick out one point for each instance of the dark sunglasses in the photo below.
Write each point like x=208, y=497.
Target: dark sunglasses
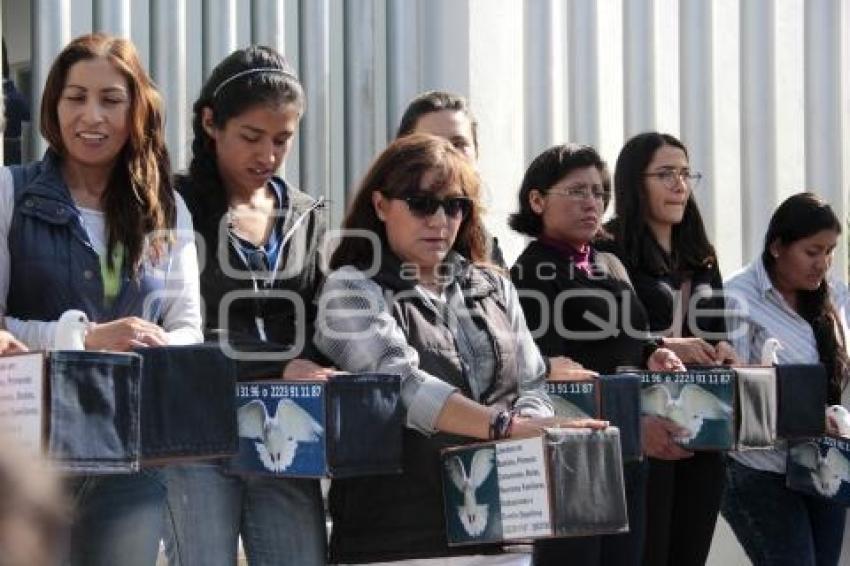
x=423, y=206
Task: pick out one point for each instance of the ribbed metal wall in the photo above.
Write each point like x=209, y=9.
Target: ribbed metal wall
x=759, y=90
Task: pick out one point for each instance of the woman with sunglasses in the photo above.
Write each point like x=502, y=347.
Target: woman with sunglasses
x=579, y=303
x=262, y=236
x=786, y=294
x=411, y=295
x=659, y=235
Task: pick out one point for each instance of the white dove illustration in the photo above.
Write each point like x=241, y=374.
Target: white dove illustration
x=826, y=472
x=840, y=419
x=567, y=409
x=689, y=410
x=71, y=331
x=279, y=435
x=473, y=516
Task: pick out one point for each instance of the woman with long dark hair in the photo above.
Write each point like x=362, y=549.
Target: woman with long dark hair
x=785, y=294
x=659, y=235
x=96, y=226
x=262, y=237
x=580, y=304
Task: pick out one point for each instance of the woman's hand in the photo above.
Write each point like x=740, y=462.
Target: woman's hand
x=663, y=359
x=562, y=368
x=725, y=354
x=693, y=350
x=124, y=334
x=659, y=439
x=9, y=344
x=524, y=427
x=305, y=369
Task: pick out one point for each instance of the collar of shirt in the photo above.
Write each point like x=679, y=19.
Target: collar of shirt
x=581, y=258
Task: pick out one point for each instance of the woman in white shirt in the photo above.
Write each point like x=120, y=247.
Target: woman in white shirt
x=785, y=294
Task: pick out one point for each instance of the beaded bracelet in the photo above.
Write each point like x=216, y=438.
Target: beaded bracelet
x=501, y=423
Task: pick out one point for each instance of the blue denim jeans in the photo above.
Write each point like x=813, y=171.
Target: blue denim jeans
x=281, y=520
x=778, y=526
x=118, y=519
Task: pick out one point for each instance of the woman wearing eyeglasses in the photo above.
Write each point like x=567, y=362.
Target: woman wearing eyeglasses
x=411, y=295
x=659, y=235
x=579, y=303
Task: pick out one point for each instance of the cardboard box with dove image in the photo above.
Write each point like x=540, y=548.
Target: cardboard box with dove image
x=820, y=467
x=700, y=401
x=568, y=482
x=346, y=426
x=615, y=398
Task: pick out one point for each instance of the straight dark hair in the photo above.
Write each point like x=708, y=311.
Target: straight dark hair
x=398, y=171
x=800, y=216
x=547, y=170
x=254, y=76
x=435, y=101
x=690, y=248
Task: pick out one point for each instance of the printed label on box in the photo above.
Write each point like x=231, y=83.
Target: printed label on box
x=523, y=493
x=497, y=492
x=701, y=402
x=21, y=400
x=280, y=428
x=574, y=399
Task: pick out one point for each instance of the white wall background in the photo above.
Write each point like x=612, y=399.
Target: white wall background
x=759, y=90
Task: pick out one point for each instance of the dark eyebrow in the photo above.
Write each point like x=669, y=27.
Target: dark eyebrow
x=252, y=129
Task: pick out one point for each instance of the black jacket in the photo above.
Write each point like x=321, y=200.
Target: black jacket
x=570, y=313
x=656, y=288
x=288, y=318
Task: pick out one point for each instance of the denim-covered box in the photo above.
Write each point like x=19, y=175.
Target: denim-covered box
x=349, y=425
x=701, y=401
x=568, y=482
x=820, y=467
x=94, y=411
x=615, y=398
x=188, y=411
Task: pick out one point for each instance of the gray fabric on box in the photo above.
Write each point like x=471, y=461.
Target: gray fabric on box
x=756, y=407
x=586, y=479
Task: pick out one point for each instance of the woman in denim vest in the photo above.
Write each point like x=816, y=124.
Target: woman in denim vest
x=262, y=236
x=96, y=226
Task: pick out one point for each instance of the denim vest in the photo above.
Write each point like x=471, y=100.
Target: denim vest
x=53, y=266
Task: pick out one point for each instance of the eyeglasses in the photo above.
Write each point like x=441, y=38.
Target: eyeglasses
x=583, y=192
x=670, y=177
x=423, y=206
